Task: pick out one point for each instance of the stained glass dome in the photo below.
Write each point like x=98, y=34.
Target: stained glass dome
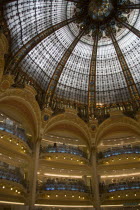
x=84, y=52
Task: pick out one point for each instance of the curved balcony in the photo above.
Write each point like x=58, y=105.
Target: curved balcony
x=60, y=191
x=64, y=149
x=14, y=130
x=12, y=191
x=119, y=151
x=53, y=185
x=114, y=187
x=13, y=175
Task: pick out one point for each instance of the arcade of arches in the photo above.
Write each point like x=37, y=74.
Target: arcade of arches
x=56, y=159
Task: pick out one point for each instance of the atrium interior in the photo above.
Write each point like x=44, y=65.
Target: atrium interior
x=69, y=104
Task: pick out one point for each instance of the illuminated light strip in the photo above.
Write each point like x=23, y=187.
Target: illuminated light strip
x=120, y=175
x=90, y=206
x=59, y=175
x=112, y=205
x=8, y=202
x=68, y=206
x=119, y=146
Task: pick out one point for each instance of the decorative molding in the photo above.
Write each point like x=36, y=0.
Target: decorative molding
x=31, y=90
x=25, y=100
x=114, y=113
x=3, y=44
x=118, y=121
x=71, y=111
x=70, y=119
x=7, y=81
x=3, y=50
x=45, y=116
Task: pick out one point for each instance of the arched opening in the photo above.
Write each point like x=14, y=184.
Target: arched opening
x=64, y=157
x=118, y=160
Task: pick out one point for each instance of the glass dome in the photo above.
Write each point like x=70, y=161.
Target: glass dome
x=73, y=56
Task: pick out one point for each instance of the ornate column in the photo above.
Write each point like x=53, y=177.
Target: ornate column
x=33, y=174
x=95, y=180
x=85, y=179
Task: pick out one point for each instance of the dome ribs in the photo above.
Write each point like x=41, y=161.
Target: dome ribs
x=25, y=49
x=133, y=91
x=7, y=1
x=129, y=6
x=58, y=71
x=92, y=76
x=128, y=26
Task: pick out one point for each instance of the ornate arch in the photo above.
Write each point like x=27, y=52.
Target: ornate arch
x=117, y=123
x=22, y=102
x=71, y=119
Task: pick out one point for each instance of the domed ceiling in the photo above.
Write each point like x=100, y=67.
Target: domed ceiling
x=78, y=51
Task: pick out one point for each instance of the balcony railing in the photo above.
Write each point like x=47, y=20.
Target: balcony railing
x=64, y=149
x=12, y=175
x=119, y=151
x=63, y=185
x=19, y=132
x=133, y=185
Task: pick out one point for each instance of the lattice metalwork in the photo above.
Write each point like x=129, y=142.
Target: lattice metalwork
x=22, y=52
x=131, y=28
x=134, y=93
x=90, y=74
x=57, y=73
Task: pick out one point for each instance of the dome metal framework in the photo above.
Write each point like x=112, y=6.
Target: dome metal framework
x=77, y=53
